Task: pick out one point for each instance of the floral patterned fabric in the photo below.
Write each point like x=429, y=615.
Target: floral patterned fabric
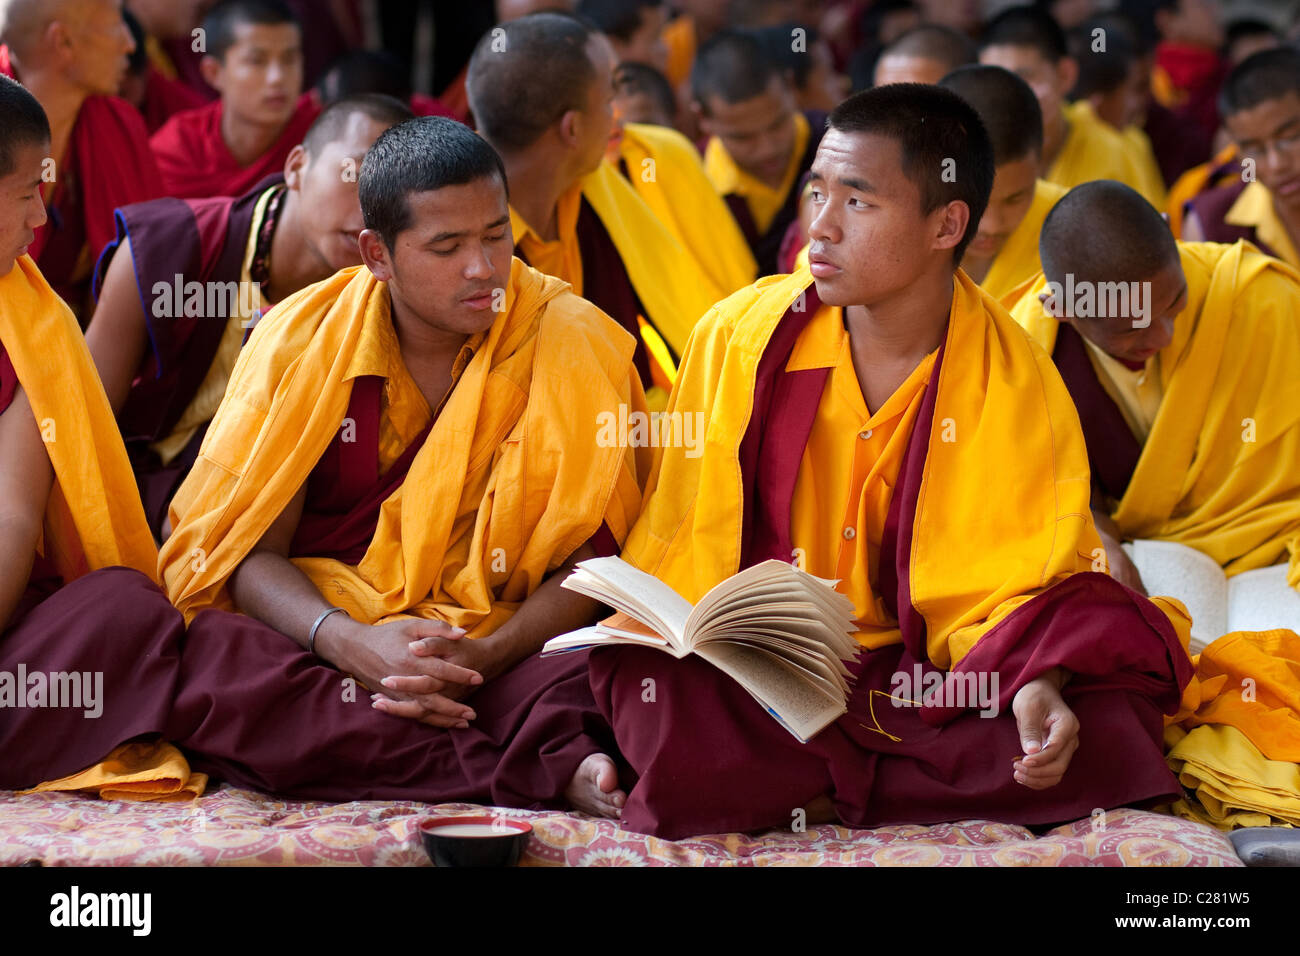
x=241, y=827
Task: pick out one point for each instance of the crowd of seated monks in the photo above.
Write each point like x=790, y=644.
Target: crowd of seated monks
x=306, y=380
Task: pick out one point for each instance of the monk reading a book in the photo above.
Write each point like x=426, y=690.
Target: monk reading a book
x=388, y=499
x=253, y=57
x=1184, y=364
x=186, y=279
x=880, y=421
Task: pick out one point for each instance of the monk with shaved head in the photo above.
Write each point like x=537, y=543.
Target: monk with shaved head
x=253, y=57
x=185, y=280
x=1182, y=359
x=541, y=91
x=1004, y=252
x=924, y=54
x=1077, y=146
x=72, y=55
x=760, y=144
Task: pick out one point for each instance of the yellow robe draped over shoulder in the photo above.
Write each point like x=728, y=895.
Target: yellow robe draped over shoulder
x=764, y=201
x=672, y=286
x=1094, y=149
x=510, y=481
x=94, y=518
x=1017, y=260
x=1144, y=161
x=1220, y=471
x=666, y=171
x=1003, y=419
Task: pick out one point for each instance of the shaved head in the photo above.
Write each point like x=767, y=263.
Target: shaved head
x=23, y=21
x=1006, y=105
x=732, y=66
x=333, y=121
x=85, y=43
x=514, y=9
x=523, y=80
x=931, y=41
x=1103, y=231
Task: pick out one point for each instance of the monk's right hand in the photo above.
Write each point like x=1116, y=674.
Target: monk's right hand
x=409, y=685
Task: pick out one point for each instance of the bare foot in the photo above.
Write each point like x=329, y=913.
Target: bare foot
x=594, y=788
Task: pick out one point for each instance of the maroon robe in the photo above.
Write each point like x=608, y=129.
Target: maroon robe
x=708, y=759
x=114, y=622
x=1113, y=449
x=1212, y=205
x=273, y=717
x=200, y=240
x=107, y=164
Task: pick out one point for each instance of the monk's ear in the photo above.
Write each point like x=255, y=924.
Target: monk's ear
x=295, y=166
x=375, y=254
x=1067, y=74
x=210, y=69
x=952, y=220
x=571, y=127
x=58, y=40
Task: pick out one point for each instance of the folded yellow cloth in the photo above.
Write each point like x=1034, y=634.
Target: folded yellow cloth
x=1234, y=784
x=137, y=771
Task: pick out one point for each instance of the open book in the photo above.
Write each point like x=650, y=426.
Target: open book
x=780, y=633
x=1258, y=600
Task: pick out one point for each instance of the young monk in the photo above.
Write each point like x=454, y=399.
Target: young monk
x=72, y=55
x=924, y=54
x=1004, y=252
x=544, y=103
x=1077, y=146
x=759, y=145
x=1111, y=79
x=858, y=418
x=634, y=27
x=806, y=61
x=1187, y=398
x=1260, y=103
x=254, y=59
x=400, y=475
x=186, y=279
x=80, y=614
x=642, y=95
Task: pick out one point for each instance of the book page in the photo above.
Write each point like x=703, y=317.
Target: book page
x=632, y=591
x=742, y=588
x=800, y=706
x=573, y=641
x=813, y=664
x=1177, y=571
x=1261, y=600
